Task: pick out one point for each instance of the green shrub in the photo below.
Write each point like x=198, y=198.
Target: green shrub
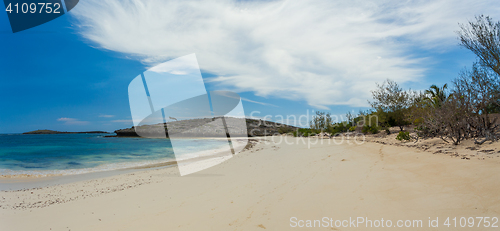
x=284, y=129
x=403, y=136
x=352, y=128
x=387, y=131
x=370, y=129
x=305, y=132
x=418, y=121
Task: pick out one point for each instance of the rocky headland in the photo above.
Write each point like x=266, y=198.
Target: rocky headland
x=210, y=127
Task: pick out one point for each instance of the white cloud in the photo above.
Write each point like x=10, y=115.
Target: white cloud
x=106, y=116
x=257, y=102
x=321, y=51
x=245, y=99
x=72, y=121
x=122, y=121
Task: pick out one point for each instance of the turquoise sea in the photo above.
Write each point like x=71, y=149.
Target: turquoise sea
x=82, y=153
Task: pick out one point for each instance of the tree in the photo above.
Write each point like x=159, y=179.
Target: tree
x=322, y=121
x=483, y=38
x=435, y=95
x=466, y=111
x=478, y=92
x=391, y=102
x=479, y=88
x=419, y=108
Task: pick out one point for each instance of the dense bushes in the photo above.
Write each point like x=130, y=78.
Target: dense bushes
x=370, y=129
x=323, y=122
x=403, y=136
x=285, y=129
x=303, y=132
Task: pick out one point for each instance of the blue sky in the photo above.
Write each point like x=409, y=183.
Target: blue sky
x=72, y=73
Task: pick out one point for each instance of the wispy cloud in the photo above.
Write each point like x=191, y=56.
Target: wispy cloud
x=321, y=51
x=257, y=102
x=123, y=121
x=72, y=121
x=106, y=116
x=223, y=93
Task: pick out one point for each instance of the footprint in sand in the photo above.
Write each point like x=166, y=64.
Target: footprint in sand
x=381, y=154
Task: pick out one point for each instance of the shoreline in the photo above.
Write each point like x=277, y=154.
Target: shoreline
x=30, y=181
x=170, y=161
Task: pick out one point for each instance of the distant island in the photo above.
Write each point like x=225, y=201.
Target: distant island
x=45, y=131
x=206, y=127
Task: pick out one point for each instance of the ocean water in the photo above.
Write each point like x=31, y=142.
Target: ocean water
x=68, y=154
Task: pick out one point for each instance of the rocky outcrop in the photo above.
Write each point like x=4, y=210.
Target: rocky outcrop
x=126, y=132
x=208, y=127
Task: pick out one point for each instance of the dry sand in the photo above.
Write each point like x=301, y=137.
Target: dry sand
x=263, y=188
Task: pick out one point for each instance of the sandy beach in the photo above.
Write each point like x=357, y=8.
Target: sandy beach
x=274, y=186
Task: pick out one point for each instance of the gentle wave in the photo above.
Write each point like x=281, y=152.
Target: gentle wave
x=8, y=173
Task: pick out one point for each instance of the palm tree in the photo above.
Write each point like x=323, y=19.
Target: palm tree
x=436, y=95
